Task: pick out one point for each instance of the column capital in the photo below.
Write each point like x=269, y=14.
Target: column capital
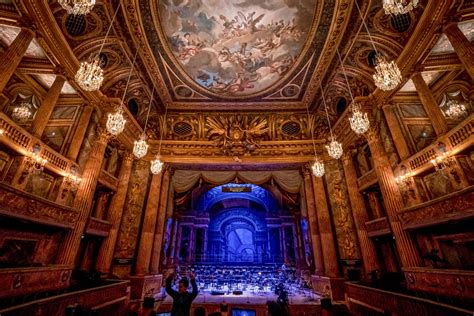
x=373, y=134
x=127, y=156
x=102, y=135
x=59, y=71
x=27, y=25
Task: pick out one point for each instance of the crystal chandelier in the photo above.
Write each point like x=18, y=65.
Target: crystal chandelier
x=77, y=6
x=318, y=169
x=334, y=149
x=21, y=113
x=359, y=121
x=90, y=76
x=387, y=75
x=140, y=147
x=156, y=165
x=399, y=6
x=455, y=110
x=116, y=122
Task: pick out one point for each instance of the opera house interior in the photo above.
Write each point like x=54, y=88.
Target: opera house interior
x=297, y=157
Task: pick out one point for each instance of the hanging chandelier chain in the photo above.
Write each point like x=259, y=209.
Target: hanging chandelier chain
x=345, y=76
x=366, y=27
x=149, y=107
x=129, y=76
x=108, y=30
x=162, y=129
x=312, y=131
x=325, y=108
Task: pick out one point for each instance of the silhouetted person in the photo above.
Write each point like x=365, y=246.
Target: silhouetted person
x=435, y=259
x=182, y=299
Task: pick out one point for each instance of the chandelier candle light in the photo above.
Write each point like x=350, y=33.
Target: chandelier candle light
x=90, y=75
x=359, y=121
x=456, y=110
x=318, y=166
x=387, y=75
x=397, y=7
x=115, y=121
x=156, y=165
x=21, y=113
x=77, y=7
x=140, y=147
x=334, y=148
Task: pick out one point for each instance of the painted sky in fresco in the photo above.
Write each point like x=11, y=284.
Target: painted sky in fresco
x=236, y=48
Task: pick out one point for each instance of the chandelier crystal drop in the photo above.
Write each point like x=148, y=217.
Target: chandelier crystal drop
x=116, y=122
x=140, y=147
x=455, y=110
x=77, y=7
x=397, y=7
x=359, y=121
x=387, y=74
x=334, y=149
x=318, y=168
x=21, y=113
x=156, y=165
x=90, y=76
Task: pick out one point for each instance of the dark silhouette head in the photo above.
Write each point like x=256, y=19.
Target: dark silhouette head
x=183, y=285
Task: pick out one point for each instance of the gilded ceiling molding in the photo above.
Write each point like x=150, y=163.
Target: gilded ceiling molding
x=53, y=38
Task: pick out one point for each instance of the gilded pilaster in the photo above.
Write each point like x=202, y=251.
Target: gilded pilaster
x=406, y=247
x=148, y=227
x=396, y=131
x=114, y=215
x=83, y=202
x=359, y=213
x=80, y=132
x=11, y=57
x=313, y=225
x=430, y=105
x=160, y=222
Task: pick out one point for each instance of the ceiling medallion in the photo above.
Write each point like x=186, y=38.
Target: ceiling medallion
x=359, y=121
x=140, y=147
x=21, y=113
x=156, y=165
x=387, y=74
x=318, y=168
x=80, y=7
x=334, y=148
x=399, y=6
x=455, y=110
x=116, y=122
x=90, y=76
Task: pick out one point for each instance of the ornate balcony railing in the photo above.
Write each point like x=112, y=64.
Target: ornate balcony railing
x=378, y=227
x=367, y=180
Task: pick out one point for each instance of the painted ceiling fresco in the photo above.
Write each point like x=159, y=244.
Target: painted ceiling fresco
x=236, y=48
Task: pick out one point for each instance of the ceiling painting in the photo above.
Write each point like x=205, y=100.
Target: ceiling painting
x=236, y=48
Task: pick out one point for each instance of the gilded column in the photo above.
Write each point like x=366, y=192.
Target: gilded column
x=359, y=213
x=462, y=46
x=313, y=224
x=84, y=197
x=148, y=226
x=80, y=132
x=325, y=229
x=397, y=134
x=11, y=57
x=160, y=222
x=430, y=105
x=114, y=215
x=409, y=256
x=44, y=112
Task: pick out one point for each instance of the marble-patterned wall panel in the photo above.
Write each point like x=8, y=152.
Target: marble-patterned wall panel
x=341, y=211
x=88, y=140
x=54, y=136
x=63, y=112
x=40, y=184
x=422, y=135
x=387, y=139
x=412, y=110
x=132, y=213
x=439, y=184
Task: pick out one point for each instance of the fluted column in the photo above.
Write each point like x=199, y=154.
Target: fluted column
x=359, y=213
x=430, y=105
x=80, y=132
x=313, y=224
x=406, y=247
x=397, y=134
x=160, y=222
x=325, y=228
x=462, y=46
x=84, y=197
x=44, y=112
x=114, y=215
x=11, y=57
x=148, y=227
